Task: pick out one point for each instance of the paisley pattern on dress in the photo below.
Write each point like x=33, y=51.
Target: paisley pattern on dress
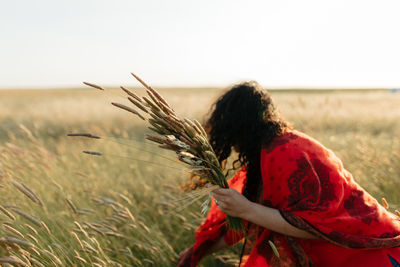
x=308, y=185
x=357, y=208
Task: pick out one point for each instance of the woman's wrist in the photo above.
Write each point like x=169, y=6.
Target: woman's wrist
x=250, y=211
x=271, y=219
x=257, y=213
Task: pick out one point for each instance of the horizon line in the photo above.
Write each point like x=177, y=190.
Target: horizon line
x=192, y=87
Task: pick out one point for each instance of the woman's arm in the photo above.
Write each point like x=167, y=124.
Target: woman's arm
x=220, y=244
x=234, y=204
x=272, y=219
x=185, y=257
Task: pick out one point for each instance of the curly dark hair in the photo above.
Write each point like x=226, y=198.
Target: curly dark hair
x=244, y=118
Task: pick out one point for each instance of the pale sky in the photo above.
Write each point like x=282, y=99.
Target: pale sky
x=280, y=43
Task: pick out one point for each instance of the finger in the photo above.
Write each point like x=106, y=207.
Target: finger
x=185, y=257
x=221, y=208
x=219, y=198
x=225, y=209
x=221, y=191
x=235, y=191
x=223, y=205
x=183, y=252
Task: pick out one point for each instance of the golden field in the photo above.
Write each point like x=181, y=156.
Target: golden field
x=124, y=208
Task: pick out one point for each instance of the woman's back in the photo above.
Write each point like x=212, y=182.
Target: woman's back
x=313, y=192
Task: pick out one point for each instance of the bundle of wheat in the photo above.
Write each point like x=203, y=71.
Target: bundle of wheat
x=184, y=136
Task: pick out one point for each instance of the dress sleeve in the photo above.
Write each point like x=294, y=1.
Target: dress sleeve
x=215, y=226
x=313, y=192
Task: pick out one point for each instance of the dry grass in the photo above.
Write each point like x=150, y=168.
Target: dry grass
x=121, y=209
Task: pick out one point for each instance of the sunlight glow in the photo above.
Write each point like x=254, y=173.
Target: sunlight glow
x=284, y=43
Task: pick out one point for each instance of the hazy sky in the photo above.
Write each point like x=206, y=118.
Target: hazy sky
x=279, y=43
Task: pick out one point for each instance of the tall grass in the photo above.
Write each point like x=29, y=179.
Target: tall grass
x=119, y=209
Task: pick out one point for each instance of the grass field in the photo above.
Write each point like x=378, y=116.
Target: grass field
x=123, y=208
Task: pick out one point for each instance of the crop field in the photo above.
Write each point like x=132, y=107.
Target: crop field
x=61, y=207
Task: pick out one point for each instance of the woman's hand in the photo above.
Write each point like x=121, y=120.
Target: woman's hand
x=232, y=203
x=185, y=257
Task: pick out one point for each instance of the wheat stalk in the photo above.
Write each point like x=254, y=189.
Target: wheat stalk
x=185, y=137
x=15, y=241
x=12, y=260
x=7, y=213
x=27, y=191
x=26, y=216
x=13, y=230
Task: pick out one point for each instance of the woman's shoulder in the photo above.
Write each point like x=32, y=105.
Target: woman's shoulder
x=297, y=145
x=291, y=138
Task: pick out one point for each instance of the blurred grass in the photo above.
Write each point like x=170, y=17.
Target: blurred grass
x=362, y=128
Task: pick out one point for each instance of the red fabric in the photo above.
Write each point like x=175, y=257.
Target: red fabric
x=307, y=183
x=213, y=228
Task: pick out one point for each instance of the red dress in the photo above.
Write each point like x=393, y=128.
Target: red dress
x=307, y=183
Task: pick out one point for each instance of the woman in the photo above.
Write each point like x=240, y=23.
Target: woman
x=291, y=191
